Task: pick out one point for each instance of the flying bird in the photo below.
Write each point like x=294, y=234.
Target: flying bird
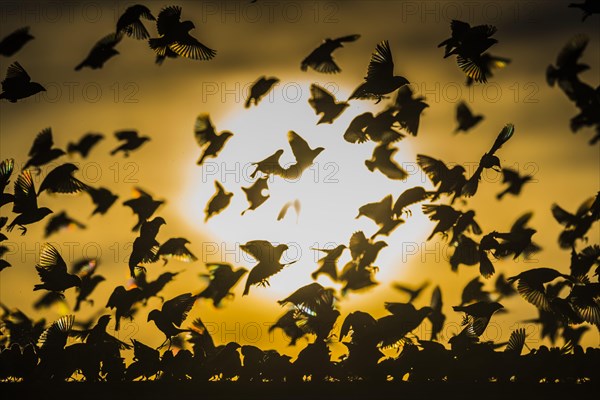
x=531, y=285
x=122, y=301
x=259, y=89
x=61, y=221
x=88, y=285
x=323, y=102
x=15, y=41
x=176, y=248
x=131, y=141
x=409, y=109
x=143, y=205
x=222, y=279
x=380, y=79
x=205, y=133
x=328, y=263
x=25, y=204
x=102, y=51
x=218, y=202
x=488, y=63
x=409, y=197
x=364, y=251
x=576, y=225
x=383, y=161
x=102, y=198
x=515, y=182
x=17, y=84
x=465, y=118
x=174, y=36
x=295, y=204
x=450, y=180
x=52, y=271
x=130, y=23
x=383, y=127
x=6, y=168
x=145, y=247
x=321, y=59
x=85, y=144
x=382, y=214
x=269, y=262
x=172, y=314
x=445, y=215
x=61, y=180
x=303, y=154
x=588, y=7
x=436, y=316
x=42, y=150
x=254, y=193
x=477, y=316
x=269, y=165
x=413, y=293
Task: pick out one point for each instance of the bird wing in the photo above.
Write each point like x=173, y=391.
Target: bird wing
x=283, y=211
x=509, y=175
x=51, y=262
x=109, y=40
x=436, y=170
x=505, y=134
x=144, y=353
x=438, y=212
x=126, y=135
x=168, y=19
x=189, y=47
x=572, y=51
x=381, y=66
x=320, y=99
x=204, y=131
x=533, y=295
x=379, y=212
x=459, y=28
x=349, y=38
x=55, y=336
x=436, y=299
x=43, y=142
x=355, y=132
x=254, y=193
x=15, y=74
x=299, y=146
x=463, y=113
x=25, y=197
x=177, y=309
x=409, y=197
x=521, y=222
x=561, y=215
x=358, y=244
x=261, y=250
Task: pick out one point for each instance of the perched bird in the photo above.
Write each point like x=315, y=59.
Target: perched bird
x=130, y=22
x=268, y=257
x=515, y=182
x=218, y=202
x=409, y=197
x=42, y=151
x=487, y=63
x=222, y=279
x=380, y=79
x=102, y=51
x=59, y=222
x=303, y=154
x=102, y=198
x=85, y=144
x=382, y=214
x=61, y=180
x=254, y=193
x=450, y=180
x=176, y=248
x=269, y=165
x=131, y=141
x=259, y=89
x=15, y=41
x=588, y=7
x=382, y=160
x=323, y=102
x=6, y=168
x=328, y=263
x=18, y=85
x=477, y=316
x=321, y=60
x=409, y=109
x=446, y=216
x=145, y=247
x=488, y=160
x=52, y=271
x=122, y=301
x=436, y=316
x=531, y=285
x=205, y=133
x=143, y=205
x=172, y=314
x=25, y=204
x=282, y=213
x=465, y=118
x=174, y=35
x=412, y=293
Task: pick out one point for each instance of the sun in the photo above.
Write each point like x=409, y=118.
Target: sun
x=330, y=191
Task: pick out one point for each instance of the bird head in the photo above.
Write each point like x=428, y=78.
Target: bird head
x=103, y=321
x=74, y=280
x=187, y=26
x=495, y=306
x=400, y=81
x=45, y=211
x=153, y=315
x=36, y=87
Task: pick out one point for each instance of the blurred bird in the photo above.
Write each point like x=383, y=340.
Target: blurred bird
x=380, y=79
x=450, y=180
x=85, y=144
x=61, y=221
x=174, y=35
x=323, y=102
x=269, y=166
x=145, y=247
x=466, y=251
x=382, y=214
x=328, y=263
x=222, y=279
x=146, y=361
x=88, y=285
x=436, y=316
x=255, y=195
x=567, y=67
x=42, y=151
x=488, y=243
x=309, y=297
x=583, y=261
x=478, y=316
x=218, y=202
x=321, y=59
x=503, y=288
x=268, y=257
x=131, y=141
x=382, y=160
x=143, y=205
x=172, y=314
x=465, y=223
x=303, y=154
x=98, y=338
x=409, y=109
x=487, y=63
x=130, y=24
x=465, y=118
x=575, y=225
x=444, y=214
x=153, y=288
x=488, y=160
x=52, y=271
x=49, y=299
x=205, y=133
x=515, y=182
x=412, y=293
x=122, y=301
x=364, y=251
x=15, y=41
x=382, y=128
x=409, y=197
x=588, y=7
x=6, y=169
x=102, y=51
x=287, y=323
x=285, y=208
x=356, y=277
x=25, y=204
x=102, y=198
x=176, y=248
x=393, y=329
x=531, y=285
x=61, y=180
x=259, y=89
x=473, y=292
x=515, y=243
x=18, y=85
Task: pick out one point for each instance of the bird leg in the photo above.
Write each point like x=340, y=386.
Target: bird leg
x=22, y=229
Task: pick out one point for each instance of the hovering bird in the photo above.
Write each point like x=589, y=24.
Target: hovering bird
x=222, y=279
x=130, y=23
x=52, y=271
x=268, y=257
x=466, y=119
x=531, y=285
x=61, y=180
x=25, y=204
x=409, y=197
x=478, y=316
x=515, y=182
x=122, y=301
x=176, y=248
x=380, y=79
x=259, y=89
x=145, y=247
x=172, y=314
x=303, y=154
x=102, y=51
x=205, y=133
x=382, y=160
x=488, y=160
x=382, y=214
x=450, y=180
x=15, y=41
x=85, y=144
x=102, y=198
x=364, y=251
x=175, y=36
x=321, y=59
x=588, y=7
x=323, y=102
x=131, y=141
x=412, y=293
x=17, y=84
x=255, y=195
x=42, y=151
x=218, y=202
x=143, y=205
x=409, y=109
x=6, y=169
x=59, y=222
x=282, y=213
x=328, y=263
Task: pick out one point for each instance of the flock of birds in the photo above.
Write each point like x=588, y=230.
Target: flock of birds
x=565, y=301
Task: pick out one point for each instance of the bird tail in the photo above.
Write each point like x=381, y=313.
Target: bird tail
x=486, y=268
x=246, y=289
x=115, y=151
x=10, y=227
x=370, y=165
x=38, y=287
x=248, y=102
x=79, y=66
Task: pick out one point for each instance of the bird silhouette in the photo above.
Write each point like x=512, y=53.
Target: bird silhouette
x=392, y=330
x=382, y=214
x=153, y=288
x=122, y=300
x=446, y=216
x=102, y=198
x=382, y=160
x=588, y=7
x=323, y=102
x=6, y=168
x=450, y=180
x=465, y=118
x=254, y=193
x=146, y=361
x=567, y=68
x=531, y=285
x=205, y=133
x=175, y=248
x=321, y=59
x=473, y=292
x=488, y=243
x=99, y=338
x=364, y=251
x=269, y=262
x=466, y=251
x=174, y=35
x=145, y=247
x=328, y=263
x=131, y=141
x=409, y=109
x=61, y=180
x=503, y=288
x=515, y=182
x=172, y=314
x=303, y=154
x=383, y=127
x=48, y=300
x=488, y=160
x=52, y=271
x=488, y=63
x=130, y=23
x=89, y=282
x=59, y=222
x=477, y=316
x=25, y=204
x=102, y=51
x=259, y=89
x=380, y=79
x=465, y=223
x=412, y=293
x=17, y=84
x=282, y=213
x=15, y=41
x=42, y=151
x=222, y=279
x=269, y=165
x=85, y=144
x=583, y=261
x=436, y=316
x=357, y=278
x=218, y=202
x=287, y=323
x=143, y=205
x=409, y=197
x=576, y=225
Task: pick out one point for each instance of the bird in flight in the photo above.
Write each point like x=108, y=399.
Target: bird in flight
x=588, y=7
x=323, y=102
x=130, y=23
x=383, y=161
x=52, y=271
x=321, y=59
x=17, y=84
x=218, y=202
x=328, y=263
x=131, y=141
x=465, y=118
x=303, y=154
x=222, y=279
x=85, y=144
x=382, y=214
x=102, y=51
x=42, y=151
x=25, y=203
x=15, y=41
x=102, y=198
x=295, y=204
x=59, y=222
x=205, y=134
x=515, y=182
x=61, y=180
x=175, y=248
x=259, y=89
x=254, y=193
x=172, y=314
x=269, y=262
x=409, y=109
x=450, y=180
x=143, y=205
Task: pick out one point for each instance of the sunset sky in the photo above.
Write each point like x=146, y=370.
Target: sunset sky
x=271, y=38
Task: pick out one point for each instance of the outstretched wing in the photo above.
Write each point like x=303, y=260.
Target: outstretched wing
x=177, y=309
x=436, y=170
x=381, y=66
